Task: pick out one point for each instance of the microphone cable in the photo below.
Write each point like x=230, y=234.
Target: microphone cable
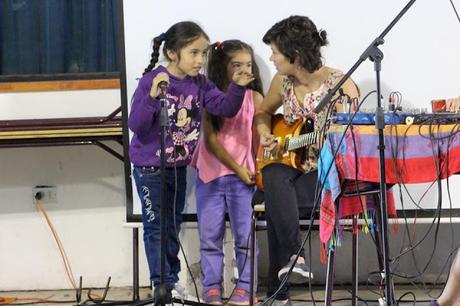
x=455, y=10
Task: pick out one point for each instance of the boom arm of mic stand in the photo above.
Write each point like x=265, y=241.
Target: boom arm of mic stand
x=370, y=50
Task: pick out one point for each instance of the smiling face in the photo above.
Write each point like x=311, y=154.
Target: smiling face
x=240, y=60
x=281, y=62
x=190, y=59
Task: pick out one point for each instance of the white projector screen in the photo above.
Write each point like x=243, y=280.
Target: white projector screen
x=421, y=53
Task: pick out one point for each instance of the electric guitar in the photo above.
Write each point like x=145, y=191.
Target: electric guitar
x=291, y=140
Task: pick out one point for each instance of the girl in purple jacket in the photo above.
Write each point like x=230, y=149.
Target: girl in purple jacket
x=189, y=92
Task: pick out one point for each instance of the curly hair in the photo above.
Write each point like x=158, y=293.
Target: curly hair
x=177, y=37
x=298, y=36
x=219, y=55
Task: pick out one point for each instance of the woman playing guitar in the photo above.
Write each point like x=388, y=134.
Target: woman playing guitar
x=300, y=83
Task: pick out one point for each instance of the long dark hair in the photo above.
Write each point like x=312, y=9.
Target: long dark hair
x=298, y=36
x=219, y=55
x=177, y=37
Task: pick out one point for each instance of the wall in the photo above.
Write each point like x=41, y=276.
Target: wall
x=90, y=212
x=421, y=60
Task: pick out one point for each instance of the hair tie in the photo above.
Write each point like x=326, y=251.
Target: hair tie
x=218, y=45
x=162, y=36
x=320, y=32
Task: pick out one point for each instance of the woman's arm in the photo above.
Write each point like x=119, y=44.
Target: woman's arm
x=213, y=145
x=257, y=98
x=271, y=102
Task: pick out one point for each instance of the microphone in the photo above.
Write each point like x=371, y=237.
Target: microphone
x=163, y=85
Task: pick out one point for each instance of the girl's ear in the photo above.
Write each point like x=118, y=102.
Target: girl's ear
x=171, y=55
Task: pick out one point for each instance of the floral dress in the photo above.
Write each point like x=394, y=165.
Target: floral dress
x=293, y=110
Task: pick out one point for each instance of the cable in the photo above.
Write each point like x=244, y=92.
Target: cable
x=407, y=293
x=64, y=257
x=32, y=301
x=317, y=195
x=175, y=228
x=439, y=168
x=68, y=269
x=455, y=10
x=398, y=176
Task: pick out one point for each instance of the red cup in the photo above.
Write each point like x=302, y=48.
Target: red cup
x=438, y=105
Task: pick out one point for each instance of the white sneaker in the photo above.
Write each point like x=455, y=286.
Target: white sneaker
x=182, y=294
x=300, y=274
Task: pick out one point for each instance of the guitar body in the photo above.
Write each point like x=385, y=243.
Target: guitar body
x=283, y=133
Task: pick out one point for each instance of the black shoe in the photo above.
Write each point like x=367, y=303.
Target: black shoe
x=162, y=295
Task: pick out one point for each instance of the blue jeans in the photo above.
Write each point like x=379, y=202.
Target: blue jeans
x=148, y=187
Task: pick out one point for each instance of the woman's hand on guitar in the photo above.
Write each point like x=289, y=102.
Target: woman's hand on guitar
x=268, y=142
x=246, y=176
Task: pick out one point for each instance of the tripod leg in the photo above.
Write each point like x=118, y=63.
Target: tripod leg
x=354, y=232
x=253, y=257
x=379, y=248
x=329, y=277
x=136, y=264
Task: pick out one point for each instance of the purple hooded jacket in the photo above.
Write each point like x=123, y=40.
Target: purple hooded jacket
x=186, y=99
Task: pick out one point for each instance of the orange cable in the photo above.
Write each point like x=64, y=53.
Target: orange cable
x=61, y=248
x=9, y=300
x=59, y=244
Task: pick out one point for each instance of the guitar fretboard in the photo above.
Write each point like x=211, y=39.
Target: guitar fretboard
x=301, y=141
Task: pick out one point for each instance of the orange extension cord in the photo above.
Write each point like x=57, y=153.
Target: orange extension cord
x=10, y=300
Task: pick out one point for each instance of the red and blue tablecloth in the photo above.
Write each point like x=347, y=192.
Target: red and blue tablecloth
x=413, y=154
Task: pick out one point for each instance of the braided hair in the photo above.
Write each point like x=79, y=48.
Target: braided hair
x=298, y=36
x=177, y=37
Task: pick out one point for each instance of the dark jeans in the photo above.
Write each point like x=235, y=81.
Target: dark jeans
x=148, y=187
x=289, y=195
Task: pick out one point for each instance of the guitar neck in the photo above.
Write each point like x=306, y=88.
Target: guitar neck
x=301, y=141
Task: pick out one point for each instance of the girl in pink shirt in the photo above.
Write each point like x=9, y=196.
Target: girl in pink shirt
x=225, y=162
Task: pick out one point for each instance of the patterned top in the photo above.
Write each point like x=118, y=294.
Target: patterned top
x=293, y=110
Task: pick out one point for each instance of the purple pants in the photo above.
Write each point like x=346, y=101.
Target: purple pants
x=227, y=194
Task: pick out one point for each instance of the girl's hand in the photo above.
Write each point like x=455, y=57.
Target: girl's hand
x=246, y=176
x=155, y=90
x=242, y=78
x=453, y=105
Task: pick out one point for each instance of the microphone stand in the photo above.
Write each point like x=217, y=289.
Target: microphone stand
x=162, y=295
x=376, y=55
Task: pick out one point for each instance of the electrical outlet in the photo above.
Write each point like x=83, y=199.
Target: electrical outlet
x=46, y=194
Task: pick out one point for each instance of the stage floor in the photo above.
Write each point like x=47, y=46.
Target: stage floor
x=299, y=296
